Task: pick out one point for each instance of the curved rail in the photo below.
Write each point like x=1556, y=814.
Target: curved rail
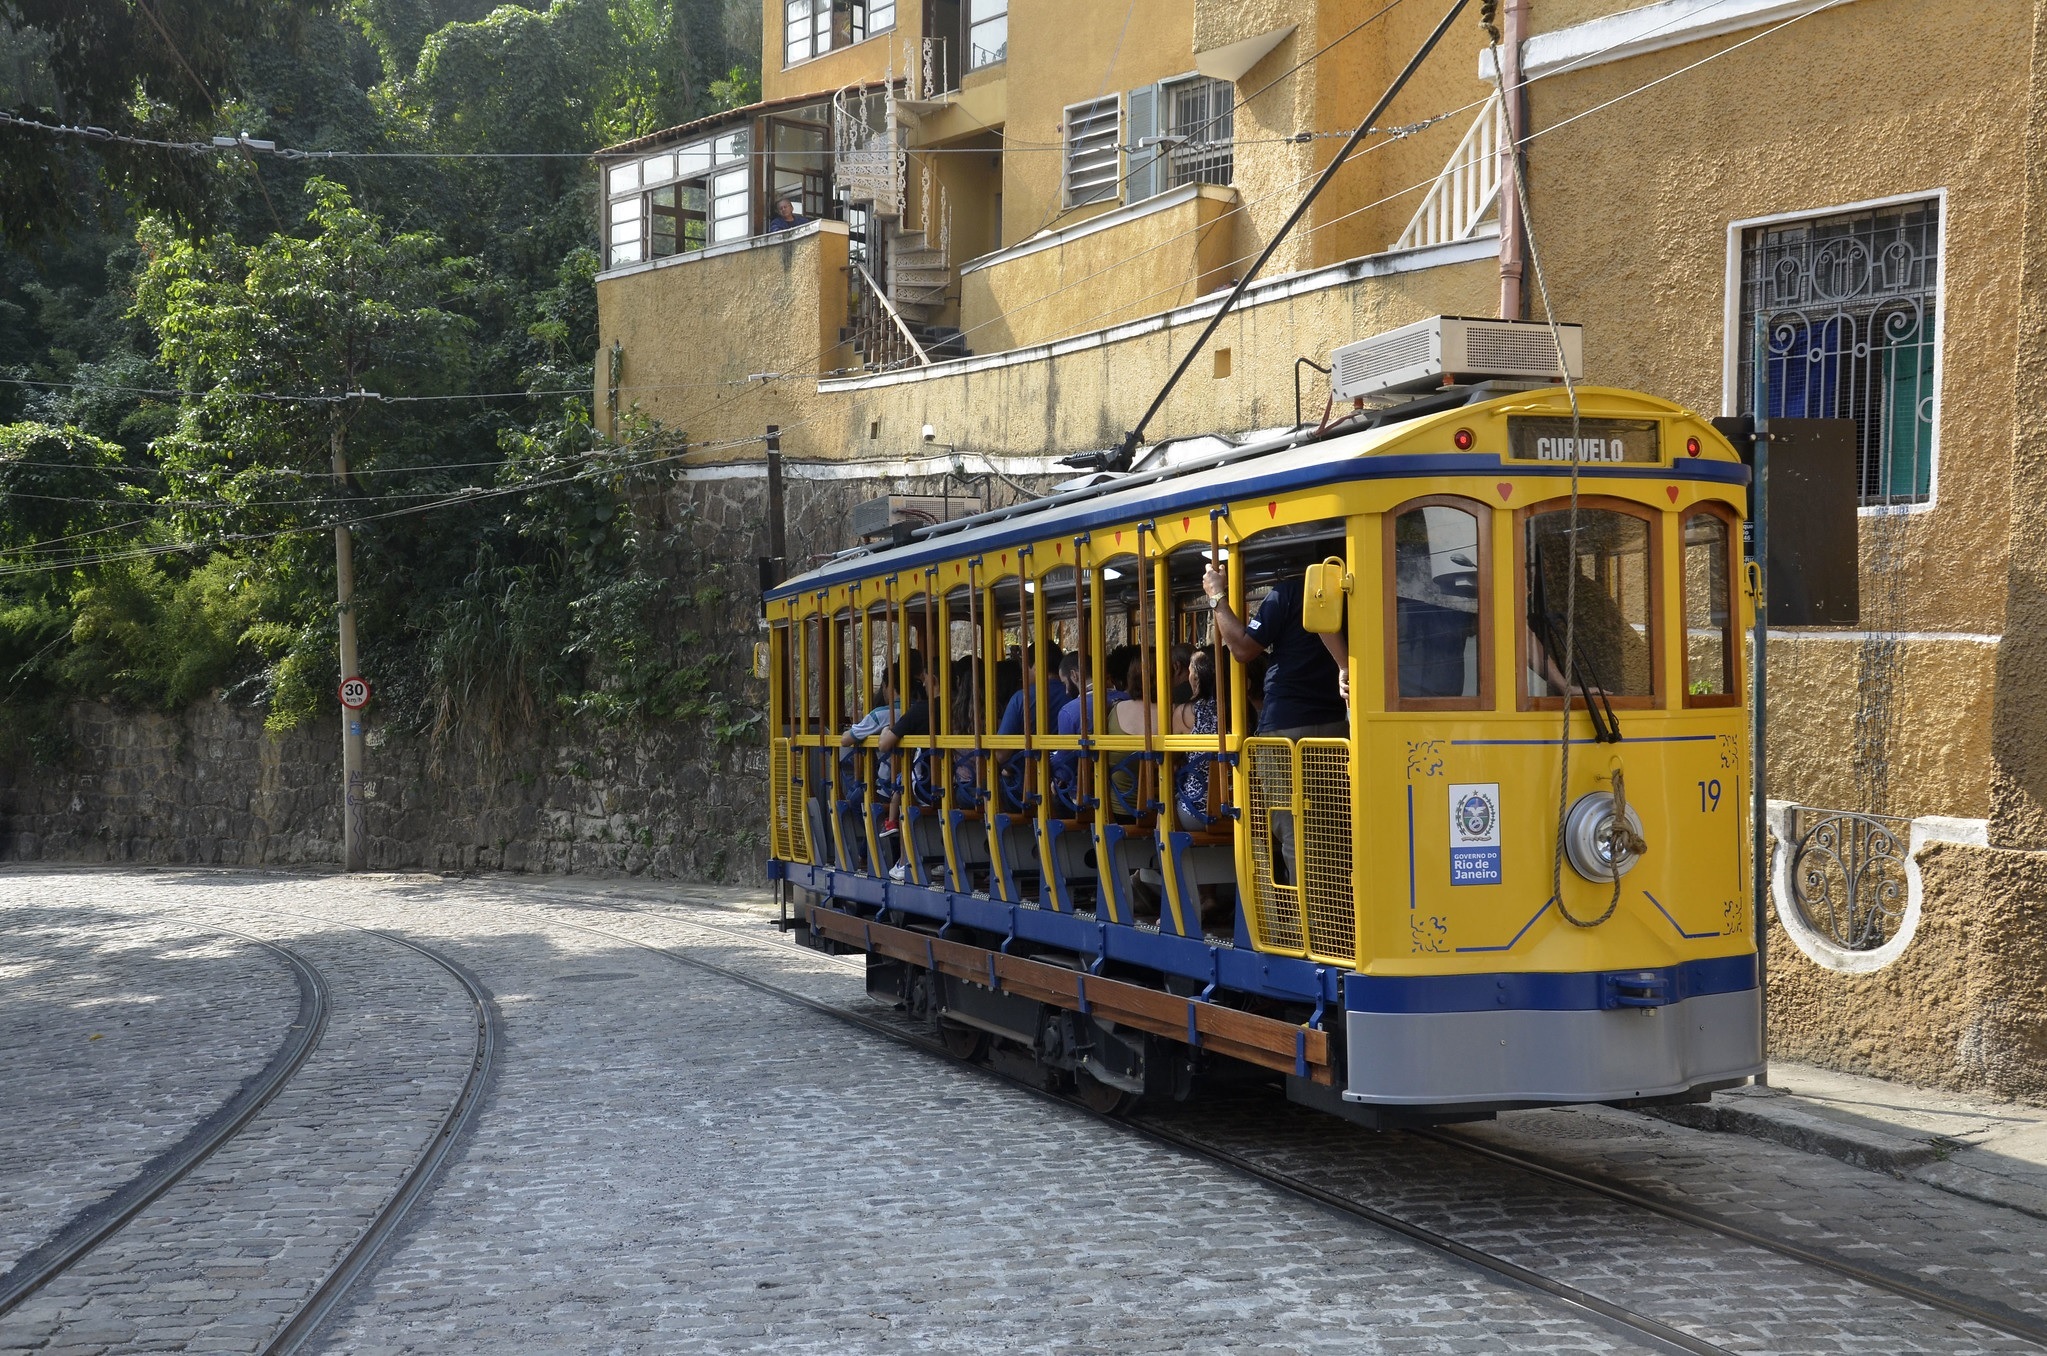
x=461, y=1114
x=1607, y=1314
x=93, y=1225
x=1990, y=1315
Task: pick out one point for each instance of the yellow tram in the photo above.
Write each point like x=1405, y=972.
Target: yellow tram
x=1388, y=912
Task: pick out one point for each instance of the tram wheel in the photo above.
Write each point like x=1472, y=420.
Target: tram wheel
x=1101, y=1098
x=963, y=1042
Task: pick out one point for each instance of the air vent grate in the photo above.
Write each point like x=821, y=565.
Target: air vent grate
x=1518, y=351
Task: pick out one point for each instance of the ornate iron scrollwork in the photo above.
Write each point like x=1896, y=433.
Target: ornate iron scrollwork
x=1848, y=875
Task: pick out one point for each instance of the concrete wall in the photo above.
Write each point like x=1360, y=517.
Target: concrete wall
x=696, y=327
x=1090, y=277
x=210, y=785
x=1965, y=1005
x=866, y=62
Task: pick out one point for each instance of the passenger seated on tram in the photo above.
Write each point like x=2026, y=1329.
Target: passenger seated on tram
x=1138, y=711
x=870, y=725
x=1065, y=763
x=1182, y=656
x=1197, y=716
x=915, y=719
x=1611, y=648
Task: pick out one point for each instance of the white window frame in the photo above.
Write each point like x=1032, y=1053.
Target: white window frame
x=1092, y=110
x=1730, y=338
x=860, y=27
x=731, y=168
x=972, y=23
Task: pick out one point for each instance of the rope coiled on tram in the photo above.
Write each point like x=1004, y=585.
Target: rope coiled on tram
x=1488, y=17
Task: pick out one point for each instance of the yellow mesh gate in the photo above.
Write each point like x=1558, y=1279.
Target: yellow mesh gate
x=1299, y=822
x=788, y=832
x=1275, y=913
x=1328, y=884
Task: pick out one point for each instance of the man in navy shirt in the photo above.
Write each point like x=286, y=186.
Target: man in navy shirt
x=1305, y=679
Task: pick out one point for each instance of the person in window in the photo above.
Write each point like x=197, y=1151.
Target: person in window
x=1307, y=688
x=870, y=725
x=1196, y=716
x=916, y=717
x=786, y=217
x=1305, y=674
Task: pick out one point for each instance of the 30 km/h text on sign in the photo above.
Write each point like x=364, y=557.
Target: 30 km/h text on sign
x=355, y=693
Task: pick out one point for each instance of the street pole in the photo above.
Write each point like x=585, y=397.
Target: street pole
x=354, y=807
x=778, y=546
x=1759, y=715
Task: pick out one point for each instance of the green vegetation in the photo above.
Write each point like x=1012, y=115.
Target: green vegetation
x=166, y=521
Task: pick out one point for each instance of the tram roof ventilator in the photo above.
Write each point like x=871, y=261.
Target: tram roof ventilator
x=1454, y=350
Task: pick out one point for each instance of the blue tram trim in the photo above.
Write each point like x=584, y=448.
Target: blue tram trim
x=1565, y=991
x=1287, y=978
x=1116, y=506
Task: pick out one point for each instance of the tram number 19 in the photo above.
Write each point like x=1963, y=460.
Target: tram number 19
x=1709, y=796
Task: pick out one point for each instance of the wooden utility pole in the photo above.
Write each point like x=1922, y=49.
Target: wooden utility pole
x=355, y=837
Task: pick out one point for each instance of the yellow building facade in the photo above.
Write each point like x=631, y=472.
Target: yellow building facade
x=1013, y=218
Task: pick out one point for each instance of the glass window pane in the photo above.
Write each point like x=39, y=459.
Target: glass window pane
x=1435, y=600
x=988, y=43
x=693, y=160
x=656, y=169
x=625, y=209
x=1609, y=612
x=1709, y=619
x=796, y=27
x=730, y=147
x=625, y=178
x=625, y=252
x=625, y=230
x=881, y=14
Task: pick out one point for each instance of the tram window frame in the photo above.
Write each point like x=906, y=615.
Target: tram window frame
x=1659, y=686
x=1487, y=697
x=1730, y=641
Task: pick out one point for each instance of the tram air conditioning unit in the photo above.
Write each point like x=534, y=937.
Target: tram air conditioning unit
x=1448, y=350
x=882, y=517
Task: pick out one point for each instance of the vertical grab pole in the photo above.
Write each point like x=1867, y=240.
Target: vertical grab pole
x=1218, y=791
x=1084, y=767
x=1147, y=670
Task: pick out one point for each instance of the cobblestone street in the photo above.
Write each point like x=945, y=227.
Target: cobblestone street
x=669, y=1160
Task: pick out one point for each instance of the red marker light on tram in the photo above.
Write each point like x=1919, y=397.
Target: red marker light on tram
x=1464, y=438
x=1691, y=447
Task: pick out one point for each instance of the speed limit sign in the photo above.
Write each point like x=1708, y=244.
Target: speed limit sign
x=355, y=693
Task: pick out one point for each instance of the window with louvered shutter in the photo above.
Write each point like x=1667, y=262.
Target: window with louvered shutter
x=1093, y=146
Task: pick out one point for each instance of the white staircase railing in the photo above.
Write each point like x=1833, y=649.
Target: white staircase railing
x=874, y=289
x=1466, y=189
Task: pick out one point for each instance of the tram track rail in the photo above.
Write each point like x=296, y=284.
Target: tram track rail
x=1987, y=1314
x=1603, y=1313
x=97, y=1223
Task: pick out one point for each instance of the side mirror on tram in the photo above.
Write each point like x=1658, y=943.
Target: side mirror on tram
x=1322, y=597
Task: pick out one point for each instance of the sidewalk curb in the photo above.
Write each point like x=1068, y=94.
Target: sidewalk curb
x=1927, y=1160
x=1863, y=1146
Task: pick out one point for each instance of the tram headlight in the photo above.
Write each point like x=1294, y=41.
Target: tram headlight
x=1588, y=839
